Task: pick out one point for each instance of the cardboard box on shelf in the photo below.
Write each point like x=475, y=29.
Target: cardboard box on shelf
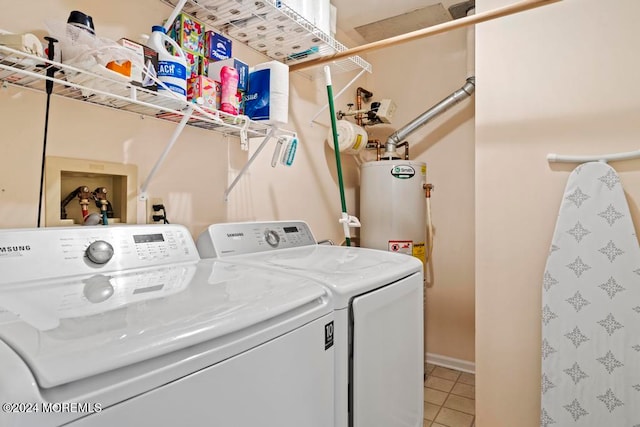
x=193, y=64
x=241, y=67
x=189, y=33
x=241, y=101
x=203, y=69
x=216, y=46
x=146, y=67
x=204, y=89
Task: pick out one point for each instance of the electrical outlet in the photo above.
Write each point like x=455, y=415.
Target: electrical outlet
x=151, y=201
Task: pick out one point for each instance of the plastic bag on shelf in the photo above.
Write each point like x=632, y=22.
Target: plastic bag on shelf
x=82, y=50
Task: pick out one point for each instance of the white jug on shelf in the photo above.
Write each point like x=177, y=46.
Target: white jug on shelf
x=172, y=69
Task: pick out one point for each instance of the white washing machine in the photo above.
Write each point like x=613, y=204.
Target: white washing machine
x=378, y=300
x=121, y=326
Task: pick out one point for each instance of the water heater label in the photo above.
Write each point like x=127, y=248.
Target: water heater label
x=403, y=171
x=401, y=246
x=419, y=251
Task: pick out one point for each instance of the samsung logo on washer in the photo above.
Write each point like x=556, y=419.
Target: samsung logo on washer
x=14, y=250
x=235, y=235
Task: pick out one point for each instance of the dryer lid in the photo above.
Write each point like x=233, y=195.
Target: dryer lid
x=347, y=271
x=71, y=329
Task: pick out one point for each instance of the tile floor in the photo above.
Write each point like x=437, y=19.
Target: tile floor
x=449, y=398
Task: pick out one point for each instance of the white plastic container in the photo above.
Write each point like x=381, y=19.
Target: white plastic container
x=317, y=12
x=351, y=137
x=393, y=207
x=172, y=70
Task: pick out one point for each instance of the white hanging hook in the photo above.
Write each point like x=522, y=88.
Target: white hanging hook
x=244, y=139
x=605, y=158
x=348, y=221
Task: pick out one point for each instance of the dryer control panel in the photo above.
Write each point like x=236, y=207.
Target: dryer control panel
x=220, y=240
x=56, y=252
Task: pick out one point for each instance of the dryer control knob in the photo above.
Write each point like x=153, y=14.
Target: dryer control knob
x=100, y=252
x=272, y=238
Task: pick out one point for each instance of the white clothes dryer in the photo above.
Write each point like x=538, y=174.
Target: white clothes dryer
x=378, y=301
x=119, y=326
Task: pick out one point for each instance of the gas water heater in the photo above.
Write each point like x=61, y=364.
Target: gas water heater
x=392, y=206
x=394, y=194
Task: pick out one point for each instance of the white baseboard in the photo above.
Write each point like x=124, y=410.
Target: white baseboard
x=450, y=362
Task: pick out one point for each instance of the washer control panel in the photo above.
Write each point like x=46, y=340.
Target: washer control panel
x=220, y=240
x=31, y=254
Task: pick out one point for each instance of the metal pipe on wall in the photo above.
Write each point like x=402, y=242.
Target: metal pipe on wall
x=442, y=106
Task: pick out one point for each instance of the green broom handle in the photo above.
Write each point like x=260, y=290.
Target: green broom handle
x=336, y=146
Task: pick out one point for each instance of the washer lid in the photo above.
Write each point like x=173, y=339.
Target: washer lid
x=66, y=330
x=347, y=271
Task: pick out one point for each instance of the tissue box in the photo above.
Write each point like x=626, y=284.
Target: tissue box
x=189, y=33
x=216, y=46
x=205, y=88
x=148, y=58
x=243, y=71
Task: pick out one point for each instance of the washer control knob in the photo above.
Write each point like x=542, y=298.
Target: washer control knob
x=100, y=252
x=98, y=288
x=272, y=238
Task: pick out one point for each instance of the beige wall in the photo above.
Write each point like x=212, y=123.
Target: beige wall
x=194, y=177
x=416, y=76
x=560, y=79
x=309, y=188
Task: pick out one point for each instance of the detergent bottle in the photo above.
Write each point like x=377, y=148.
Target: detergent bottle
x=172, y=69
x=229, y=90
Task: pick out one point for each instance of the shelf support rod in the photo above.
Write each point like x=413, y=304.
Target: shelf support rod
x=338, y=95
x=517, y=7
x=251, y=159
x=174, y=14
x=163, y=156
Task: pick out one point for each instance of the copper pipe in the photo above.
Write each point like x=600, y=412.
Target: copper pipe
x=359, y=92
x=378, y=147
x=406, y=149
x=428, y=188
x=358, y=116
